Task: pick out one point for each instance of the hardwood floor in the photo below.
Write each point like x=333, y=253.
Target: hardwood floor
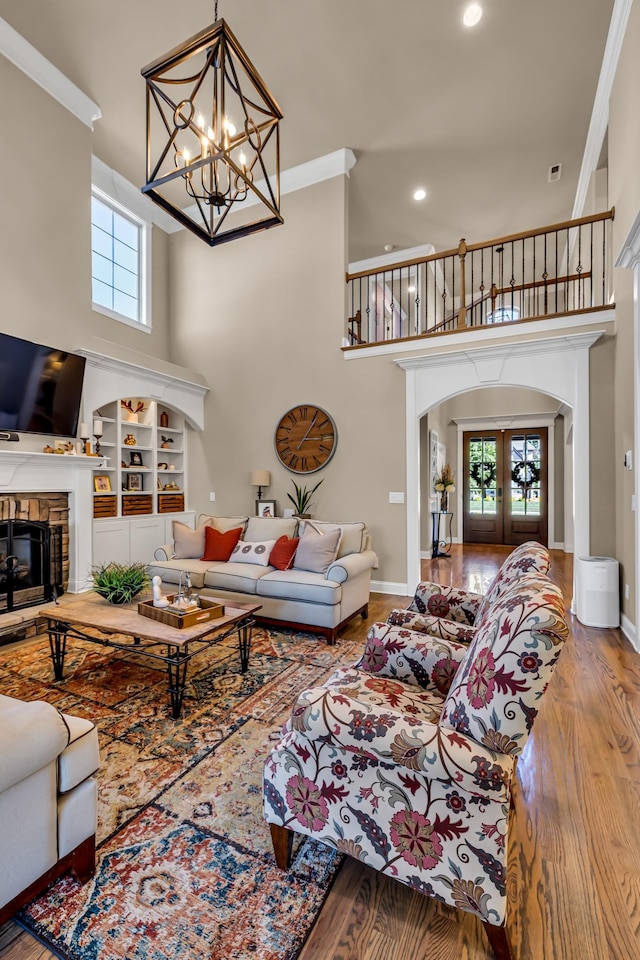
x=574, y=860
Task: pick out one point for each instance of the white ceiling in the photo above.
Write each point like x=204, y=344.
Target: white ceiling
x=476, y=116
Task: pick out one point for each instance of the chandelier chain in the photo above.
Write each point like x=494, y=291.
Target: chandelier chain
x=215, y=16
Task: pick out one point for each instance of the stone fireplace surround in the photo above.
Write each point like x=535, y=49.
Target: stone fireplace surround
x=29, y=475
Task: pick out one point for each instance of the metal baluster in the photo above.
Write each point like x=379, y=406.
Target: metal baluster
x=604, y=261
x=591, y=304
x=579, y=269
x=566, y=282
x=522, y=278
x=556, y=273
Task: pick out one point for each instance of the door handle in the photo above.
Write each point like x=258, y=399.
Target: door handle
x=499, y=493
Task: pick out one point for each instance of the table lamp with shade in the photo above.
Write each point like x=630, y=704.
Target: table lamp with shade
x=260, y=479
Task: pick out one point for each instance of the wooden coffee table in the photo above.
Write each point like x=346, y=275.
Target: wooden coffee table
x=141, y=635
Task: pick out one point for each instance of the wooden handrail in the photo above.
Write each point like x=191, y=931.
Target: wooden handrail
x=511, y=238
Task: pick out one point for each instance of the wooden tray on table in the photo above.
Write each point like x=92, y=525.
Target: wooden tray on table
x=209, y=610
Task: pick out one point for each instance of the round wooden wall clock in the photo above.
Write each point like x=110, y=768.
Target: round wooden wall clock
x=306, y=439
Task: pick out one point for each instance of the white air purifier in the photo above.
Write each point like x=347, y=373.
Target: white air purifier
x=598, y=591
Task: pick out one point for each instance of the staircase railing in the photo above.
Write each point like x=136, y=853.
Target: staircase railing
x=551, y=271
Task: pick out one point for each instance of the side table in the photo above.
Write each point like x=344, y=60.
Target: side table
x=441, y=533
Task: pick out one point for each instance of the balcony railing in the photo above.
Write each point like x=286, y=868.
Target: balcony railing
x=551, y=271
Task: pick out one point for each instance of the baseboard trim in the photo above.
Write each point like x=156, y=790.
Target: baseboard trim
x=629, y=630
x=387, y=586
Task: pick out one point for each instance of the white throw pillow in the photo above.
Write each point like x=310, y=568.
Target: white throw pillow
x=257, y=552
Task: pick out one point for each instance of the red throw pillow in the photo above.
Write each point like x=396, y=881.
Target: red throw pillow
x=283, y=552
x=219, y=546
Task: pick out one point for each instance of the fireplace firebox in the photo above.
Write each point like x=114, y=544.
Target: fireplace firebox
x=30, y=563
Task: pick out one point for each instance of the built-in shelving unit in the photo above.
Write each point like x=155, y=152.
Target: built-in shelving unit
x=145, y=444
x=142, y=489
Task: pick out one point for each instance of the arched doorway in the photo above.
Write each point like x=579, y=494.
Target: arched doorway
x=557, y=366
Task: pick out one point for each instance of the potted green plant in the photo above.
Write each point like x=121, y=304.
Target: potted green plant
x=302, y=499
x=120, y=582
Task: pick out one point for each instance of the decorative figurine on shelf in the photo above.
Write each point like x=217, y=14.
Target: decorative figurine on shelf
x=130, y=440
x=444, y=484
x=132, y=415
x=166, y=441
x=158, y=599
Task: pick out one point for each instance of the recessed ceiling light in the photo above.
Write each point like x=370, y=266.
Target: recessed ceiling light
x=420, y=194
x=472, y=15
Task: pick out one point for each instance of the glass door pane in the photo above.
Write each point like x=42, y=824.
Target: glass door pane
x=482, y=475
x=525, y=464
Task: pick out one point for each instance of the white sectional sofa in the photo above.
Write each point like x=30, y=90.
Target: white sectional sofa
x=321, y=602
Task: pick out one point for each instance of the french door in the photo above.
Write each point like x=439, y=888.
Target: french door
x=505, y=486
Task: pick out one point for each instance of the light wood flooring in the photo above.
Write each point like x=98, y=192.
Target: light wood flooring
x=574, y=859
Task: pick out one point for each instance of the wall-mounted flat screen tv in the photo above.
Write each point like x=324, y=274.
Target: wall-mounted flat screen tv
x=40, y=388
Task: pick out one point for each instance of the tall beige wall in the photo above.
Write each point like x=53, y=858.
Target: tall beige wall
x=45, y=231
x=262, y=318
x=624, y=194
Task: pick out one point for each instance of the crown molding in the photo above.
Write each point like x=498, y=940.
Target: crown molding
x=25, y=57
x=600, y=113
x=336, y=164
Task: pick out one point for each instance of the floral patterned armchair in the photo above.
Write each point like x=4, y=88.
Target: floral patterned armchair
x=405, y=759
x=455, y=614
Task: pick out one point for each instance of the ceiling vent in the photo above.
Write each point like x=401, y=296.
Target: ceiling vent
x=555, y=172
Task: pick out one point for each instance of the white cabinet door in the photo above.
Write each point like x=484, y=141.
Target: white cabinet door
x=110, y=541
x=146, y=534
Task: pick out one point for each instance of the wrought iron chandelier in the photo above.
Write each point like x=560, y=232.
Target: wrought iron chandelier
x=213, y=138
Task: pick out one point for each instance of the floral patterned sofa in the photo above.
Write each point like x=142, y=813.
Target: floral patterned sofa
x=405, y=759
x=455, y=614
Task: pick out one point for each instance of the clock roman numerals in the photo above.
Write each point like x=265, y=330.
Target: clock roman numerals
x=305, y=439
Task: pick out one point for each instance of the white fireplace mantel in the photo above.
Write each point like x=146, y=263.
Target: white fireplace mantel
x=26, y=471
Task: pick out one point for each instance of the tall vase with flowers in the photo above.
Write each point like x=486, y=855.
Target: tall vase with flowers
x=444, y=484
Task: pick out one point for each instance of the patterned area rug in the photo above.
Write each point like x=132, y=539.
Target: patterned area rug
x=185, y=865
